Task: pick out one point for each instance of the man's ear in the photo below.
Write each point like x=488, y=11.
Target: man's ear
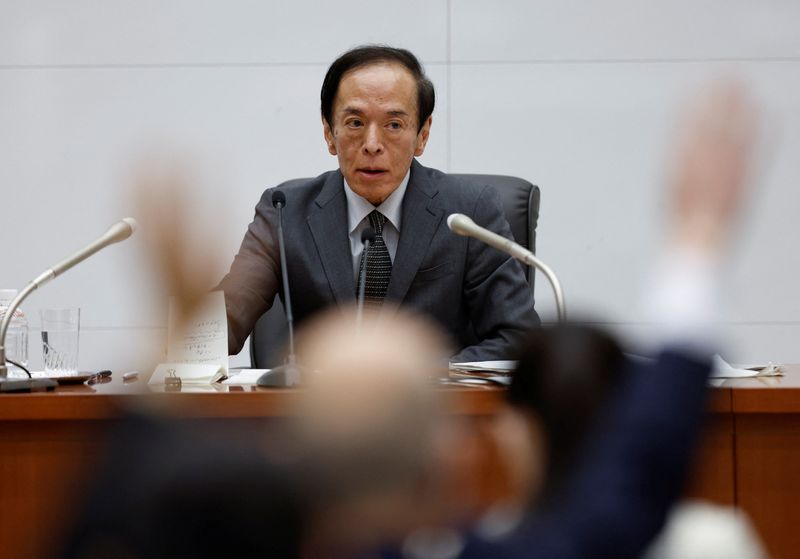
x=328, y=133
x=422, y=137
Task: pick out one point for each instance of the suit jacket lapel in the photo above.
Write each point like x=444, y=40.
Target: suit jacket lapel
x=420, y=220
x=328, y=224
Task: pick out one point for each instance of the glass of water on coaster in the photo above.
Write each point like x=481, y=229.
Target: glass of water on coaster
x=60, y=331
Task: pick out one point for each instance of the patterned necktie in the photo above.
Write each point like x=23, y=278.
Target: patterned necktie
x=378, y=263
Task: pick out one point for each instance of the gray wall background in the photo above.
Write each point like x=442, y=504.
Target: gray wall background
x=579, y=97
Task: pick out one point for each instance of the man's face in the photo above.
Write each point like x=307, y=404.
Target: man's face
x=374, y=129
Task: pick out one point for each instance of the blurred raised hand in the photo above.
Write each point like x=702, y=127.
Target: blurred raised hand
x=712, y=162
x=180, y=227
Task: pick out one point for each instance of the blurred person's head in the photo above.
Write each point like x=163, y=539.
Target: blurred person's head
x=563, y=379
x=376, y=104
x=368, y=422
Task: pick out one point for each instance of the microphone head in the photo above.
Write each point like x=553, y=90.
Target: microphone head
x=131, y=223
x=121, y=230
x=278, y=199
x=367, y=234
x=459, y=224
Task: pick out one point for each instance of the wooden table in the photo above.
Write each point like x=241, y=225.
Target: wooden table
x=51, y=441
x=766, y=453
x=749, y=455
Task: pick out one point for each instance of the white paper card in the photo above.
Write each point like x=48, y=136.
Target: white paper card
x=204, y=337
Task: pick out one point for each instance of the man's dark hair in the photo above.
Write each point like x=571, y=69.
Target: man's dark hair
x=374, y=54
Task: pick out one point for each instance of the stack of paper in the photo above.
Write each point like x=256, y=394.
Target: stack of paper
x=497, y=367
x=482, y=372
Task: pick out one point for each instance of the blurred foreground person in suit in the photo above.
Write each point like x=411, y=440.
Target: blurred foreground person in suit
x=568, y=374
x=548, y=414
x=542, y=431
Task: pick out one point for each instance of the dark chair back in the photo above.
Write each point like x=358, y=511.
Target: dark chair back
x=520, y=200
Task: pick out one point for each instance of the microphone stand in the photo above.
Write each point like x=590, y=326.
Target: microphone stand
x=116, y=233
x=367, y=237
x=27, y=384
x=463, y=225
x=531, y=260
x=288, y=374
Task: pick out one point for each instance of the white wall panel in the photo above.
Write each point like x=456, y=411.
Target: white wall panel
x=553, y=30
x=49, y=32
x=595, y=138
x=762, y=343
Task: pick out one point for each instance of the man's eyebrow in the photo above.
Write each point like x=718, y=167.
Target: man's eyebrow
x=359, y=112
x=352, y=111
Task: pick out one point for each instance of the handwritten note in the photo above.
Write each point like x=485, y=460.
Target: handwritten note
x=203, y=338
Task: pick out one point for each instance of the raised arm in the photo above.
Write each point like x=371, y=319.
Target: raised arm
x=633, y=468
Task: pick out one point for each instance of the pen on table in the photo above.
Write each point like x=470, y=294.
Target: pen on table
x=130, y=375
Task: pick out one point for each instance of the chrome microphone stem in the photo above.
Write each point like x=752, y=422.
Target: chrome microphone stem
x=561, y=308
x=287, y=298
x=362, y=280
x=463, y=225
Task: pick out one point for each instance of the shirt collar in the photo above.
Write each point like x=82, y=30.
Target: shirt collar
x=358, y=208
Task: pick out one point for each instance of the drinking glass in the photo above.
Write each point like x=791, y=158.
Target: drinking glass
x=60, y=331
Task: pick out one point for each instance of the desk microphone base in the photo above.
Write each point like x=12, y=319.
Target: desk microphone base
x=27, y=385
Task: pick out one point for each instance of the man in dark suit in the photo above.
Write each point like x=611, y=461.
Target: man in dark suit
x=376, y=114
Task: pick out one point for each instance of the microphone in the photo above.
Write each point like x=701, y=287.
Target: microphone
x=278, y=199
x=288, y=374
x=367, y=238
x=463, y=225
x=115, y=234
x=367, y=235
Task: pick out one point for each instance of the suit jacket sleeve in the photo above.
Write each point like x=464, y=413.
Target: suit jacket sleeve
x=254, y=278
x=498, y=298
